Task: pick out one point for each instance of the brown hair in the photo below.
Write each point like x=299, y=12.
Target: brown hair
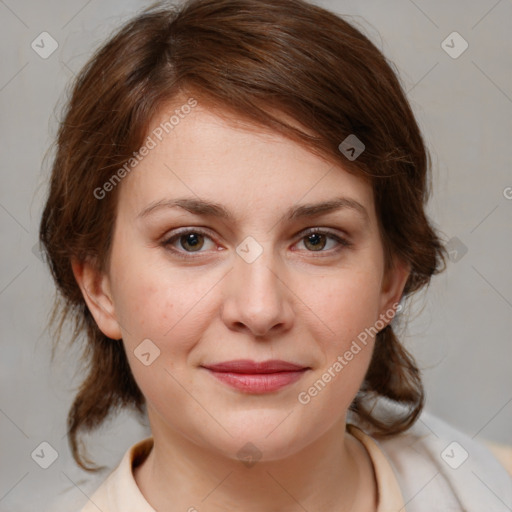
x=247, y=57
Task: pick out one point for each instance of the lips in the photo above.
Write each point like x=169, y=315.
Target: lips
x=256, y=377
x=250, y=367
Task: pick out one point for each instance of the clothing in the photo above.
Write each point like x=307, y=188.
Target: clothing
x=432, y=467
x=120, y=493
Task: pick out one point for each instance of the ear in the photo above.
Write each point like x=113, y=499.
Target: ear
x=95, y=287
x=393, y=284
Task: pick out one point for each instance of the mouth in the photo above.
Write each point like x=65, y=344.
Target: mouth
x=257, y=377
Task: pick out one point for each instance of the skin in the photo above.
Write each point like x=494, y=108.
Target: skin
x=293, y=303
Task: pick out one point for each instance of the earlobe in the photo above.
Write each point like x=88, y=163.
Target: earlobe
x=96, y=290
x=392, y=287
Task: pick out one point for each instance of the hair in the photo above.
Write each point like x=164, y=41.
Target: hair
x=252, y=58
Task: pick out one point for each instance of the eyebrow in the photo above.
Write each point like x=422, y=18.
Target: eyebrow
x=212, y=209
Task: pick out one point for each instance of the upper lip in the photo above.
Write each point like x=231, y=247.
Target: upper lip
x=249, y=366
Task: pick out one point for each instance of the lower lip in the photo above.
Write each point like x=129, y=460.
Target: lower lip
x=258, y=382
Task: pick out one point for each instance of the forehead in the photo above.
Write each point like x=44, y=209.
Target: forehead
x=217, y=156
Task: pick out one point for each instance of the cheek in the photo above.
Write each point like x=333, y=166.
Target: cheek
x=347, y=307
x=159, y=308
x=143, y=308
x=345, y=303
x=154, y=301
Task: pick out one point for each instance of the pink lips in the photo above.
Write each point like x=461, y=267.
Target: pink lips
x=257, y=377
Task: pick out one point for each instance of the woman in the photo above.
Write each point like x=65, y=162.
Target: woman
x=236, y=214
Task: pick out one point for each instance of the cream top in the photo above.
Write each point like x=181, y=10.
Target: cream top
x=120, y=493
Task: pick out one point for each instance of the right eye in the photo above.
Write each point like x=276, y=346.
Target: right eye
x=190, y=240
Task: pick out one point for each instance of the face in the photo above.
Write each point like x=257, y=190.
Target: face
x=247, y=269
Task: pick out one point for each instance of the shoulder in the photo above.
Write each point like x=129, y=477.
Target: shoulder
x=435, y=462
x=115, y=491
x=76, y=490
x=119, y=492
x=503, y=453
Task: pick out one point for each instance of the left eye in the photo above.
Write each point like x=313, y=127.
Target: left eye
x=317, y=240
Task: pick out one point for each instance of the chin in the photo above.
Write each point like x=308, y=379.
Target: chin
x=262, y=441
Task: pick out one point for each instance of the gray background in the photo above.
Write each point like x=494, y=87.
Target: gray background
x=461, y=328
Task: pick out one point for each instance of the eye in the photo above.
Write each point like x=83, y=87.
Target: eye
x=316, y=239
x=189, y=240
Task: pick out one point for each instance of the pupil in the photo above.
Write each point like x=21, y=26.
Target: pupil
x=315, y=237
x=192, y=239
x=315, y=240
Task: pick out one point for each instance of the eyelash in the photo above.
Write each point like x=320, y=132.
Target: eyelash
x=167, y=243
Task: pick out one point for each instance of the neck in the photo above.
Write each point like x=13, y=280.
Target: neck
x=334, y=473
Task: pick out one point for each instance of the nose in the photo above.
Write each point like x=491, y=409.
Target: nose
x=257, y=299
